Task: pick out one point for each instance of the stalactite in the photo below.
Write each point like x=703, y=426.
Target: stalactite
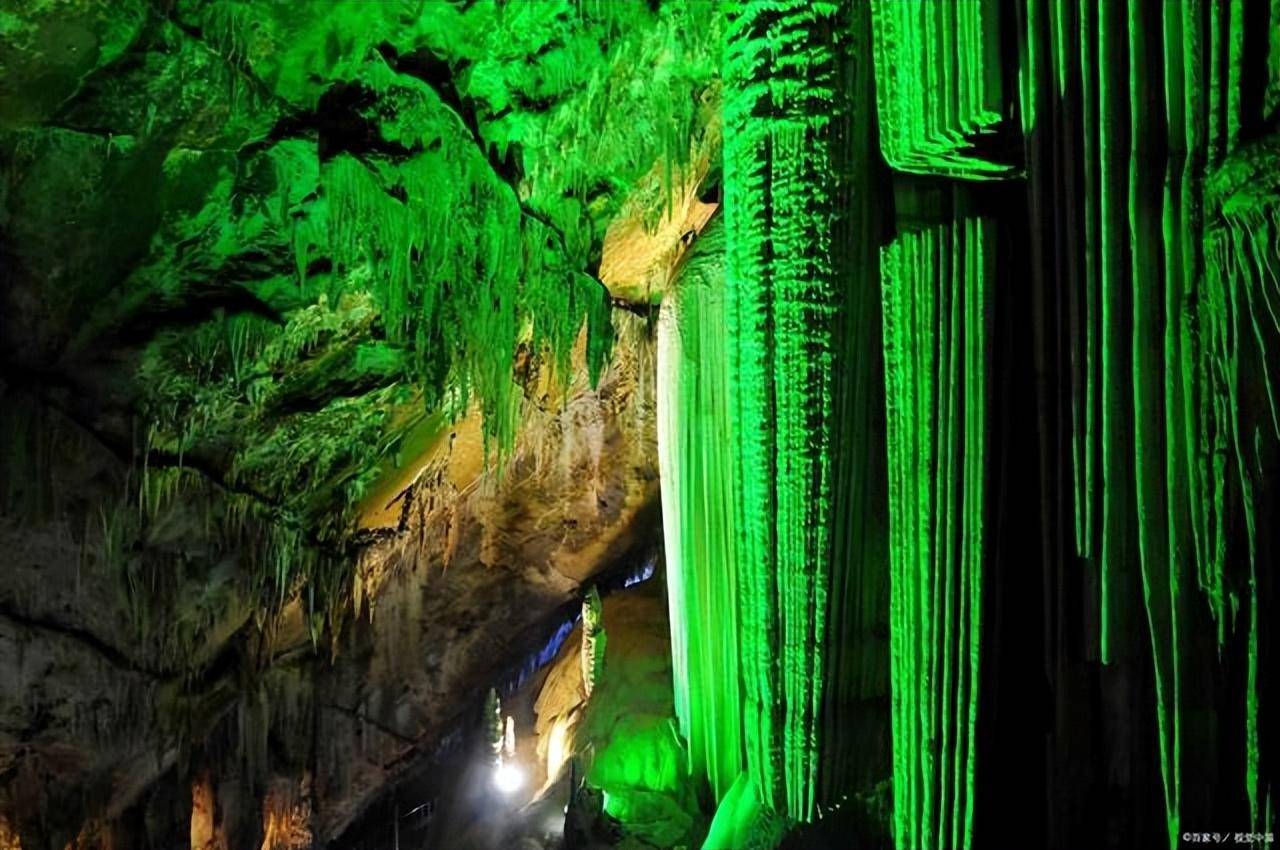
x=780, y=95
x=938, y=86
x=1160, y=564
x=594, y=640
x=1128, y=108
x=1242, y=246
x=936, y=283
x=695, y=444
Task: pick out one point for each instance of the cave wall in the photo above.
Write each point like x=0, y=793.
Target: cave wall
x=315, y=410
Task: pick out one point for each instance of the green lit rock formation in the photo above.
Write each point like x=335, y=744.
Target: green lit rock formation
x=937, y=317
x=1078, y=334
x=301, y=329
x=897, y=383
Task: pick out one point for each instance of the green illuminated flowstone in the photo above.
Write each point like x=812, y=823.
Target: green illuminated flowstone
x=1155, y=214
x=780, y=96
x=1157, y=279
x=937, y=317
x=938, y=85
x=768, y=373
x=695, y=443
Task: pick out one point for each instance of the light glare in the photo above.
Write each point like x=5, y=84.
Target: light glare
x=508, y=778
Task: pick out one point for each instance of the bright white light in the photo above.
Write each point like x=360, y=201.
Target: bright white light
x=508, y=778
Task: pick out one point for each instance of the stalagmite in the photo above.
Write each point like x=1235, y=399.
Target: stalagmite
x=593, y=640
x=493, y=725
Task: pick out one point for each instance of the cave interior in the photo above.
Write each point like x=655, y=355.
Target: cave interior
x=647, y=424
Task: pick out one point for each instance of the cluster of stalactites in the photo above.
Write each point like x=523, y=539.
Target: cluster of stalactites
x=462, y=275
x=1166, y=271
x=938, y=86
x=781, y=99
x=936, y=285
x=696, y=456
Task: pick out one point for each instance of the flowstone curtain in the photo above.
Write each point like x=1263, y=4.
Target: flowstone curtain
x=695, y=444
x=772, y=427
x=936, y=283
x=757, y=463
x=780, y=95
x=942, y=111
x=1069, y=415
x=1160, y=309
x=939, y=92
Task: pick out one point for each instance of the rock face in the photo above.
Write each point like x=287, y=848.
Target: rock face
x=633, y=752
x=621, y=736
x=476, y=577
x=313, y=409
x=468, y=579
